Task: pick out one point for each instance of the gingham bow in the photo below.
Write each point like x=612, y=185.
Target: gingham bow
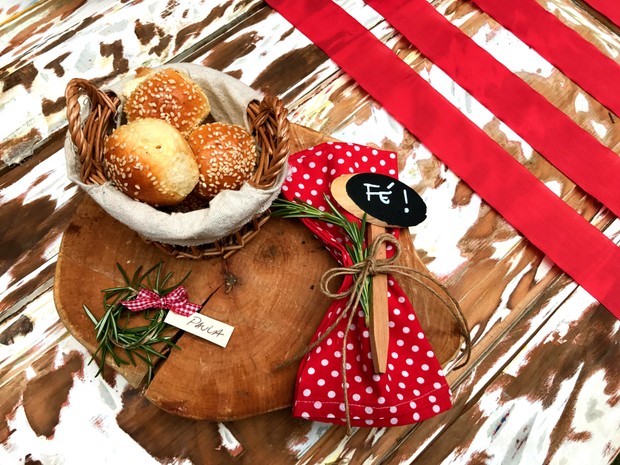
x=176, y=301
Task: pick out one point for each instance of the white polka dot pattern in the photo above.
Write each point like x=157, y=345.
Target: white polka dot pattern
x=413, y=388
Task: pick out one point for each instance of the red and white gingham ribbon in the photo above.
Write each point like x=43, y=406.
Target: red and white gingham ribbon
x=176, y=301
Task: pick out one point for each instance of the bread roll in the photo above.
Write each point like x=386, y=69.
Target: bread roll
x=226, y=156
x=149, y=160
x=170, y=95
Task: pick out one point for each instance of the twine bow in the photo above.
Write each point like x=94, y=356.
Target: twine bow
x=176, y=301
x=360, y=272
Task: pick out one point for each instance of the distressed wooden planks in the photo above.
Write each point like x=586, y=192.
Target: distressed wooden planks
x=535, y=398
x=478, y=256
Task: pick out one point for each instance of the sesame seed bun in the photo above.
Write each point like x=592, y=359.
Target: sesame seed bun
x=149, y=160
x=226, y=156
x=170, y=95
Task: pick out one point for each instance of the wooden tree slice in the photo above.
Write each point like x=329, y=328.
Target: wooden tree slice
x=275, y=307
x=91, y=246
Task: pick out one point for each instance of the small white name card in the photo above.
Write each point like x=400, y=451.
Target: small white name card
x=202, y=326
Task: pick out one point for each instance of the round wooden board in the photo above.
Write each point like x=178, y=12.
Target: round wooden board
x=275, y=308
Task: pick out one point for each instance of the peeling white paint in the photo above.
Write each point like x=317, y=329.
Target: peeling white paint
x=511, y=52
x=453, y=222
x=374, y=130
x=19, y=355
x=334, y=455
x=229, y=441
x=595, y=412
x=554, y=330
x=516, y=431
x=503, y=248
x=559, y=334
x=423, y=446
x=30, y=373
x=440, y=234
x=509, y=361
x=543, y=268
x=374, y=436
x=299, y=445
x=461, y=20
x=502, y=310
x=581, y=103
x=13, y=286
x=5, y=282
x=47, y=179
x=555, y=187
x=52, y=249
x=99, y=438
x=526, y=149
x=411, y=174
x=600, y=129
x=473, y=331
x=18, y=7
x=457, y=96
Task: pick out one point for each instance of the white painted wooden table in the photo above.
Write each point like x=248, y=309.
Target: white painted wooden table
x=544, y=383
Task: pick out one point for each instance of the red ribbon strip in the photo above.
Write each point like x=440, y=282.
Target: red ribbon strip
x=608, y=8
x=176, y=301
x=559, y=45
x=569, y=240
x=592, y=166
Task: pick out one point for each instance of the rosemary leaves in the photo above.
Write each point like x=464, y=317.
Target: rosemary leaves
x=354, y=230
x=123, y=341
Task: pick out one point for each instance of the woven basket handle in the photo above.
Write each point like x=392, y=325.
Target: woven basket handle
x=88, y=137
x=268, y=119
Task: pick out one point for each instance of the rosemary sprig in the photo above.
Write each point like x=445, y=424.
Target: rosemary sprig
x=124, y=343
x=355, y=231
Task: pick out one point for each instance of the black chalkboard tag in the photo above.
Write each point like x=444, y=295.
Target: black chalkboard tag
x=386, y=201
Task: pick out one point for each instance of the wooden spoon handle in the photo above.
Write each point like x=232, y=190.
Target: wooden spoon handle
x=379, y=315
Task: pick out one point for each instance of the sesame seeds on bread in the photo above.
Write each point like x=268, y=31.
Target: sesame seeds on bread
x=226, y=157
x=150, y=160
x=169, y=95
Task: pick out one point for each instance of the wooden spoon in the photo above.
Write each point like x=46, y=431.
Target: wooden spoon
x=385, y=202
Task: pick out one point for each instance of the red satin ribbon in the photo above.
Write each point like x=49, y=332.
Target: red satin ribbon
x=592, y=166
x=569, y=240
x=559, y=45
x=176, y=301
x=608, y=8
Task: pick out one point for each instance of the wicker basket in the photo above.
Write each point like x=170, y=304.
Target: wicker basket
x=267, y=120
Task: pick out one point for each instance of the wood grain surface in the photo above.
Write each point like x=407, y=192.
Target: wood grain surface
x=542, y=386
x=252, y=375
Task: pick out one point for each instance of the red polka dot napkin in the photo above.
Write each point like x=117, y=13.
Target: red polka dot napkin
x=413, y=387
